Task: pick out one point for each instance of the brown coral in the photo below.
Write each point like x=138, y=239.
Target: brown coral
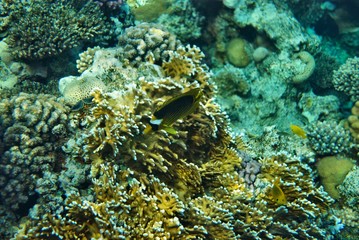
x=41, y=29
x=32, y=128
x=146, y=42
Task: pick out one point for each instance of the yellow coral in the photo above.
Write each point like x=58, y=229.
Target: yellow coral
x=309, y=62
x=353, y=120
x=237, y=52
x=332, y=171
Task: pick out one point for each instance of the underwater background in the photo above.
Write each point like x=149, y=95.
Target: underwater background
x=179, y=119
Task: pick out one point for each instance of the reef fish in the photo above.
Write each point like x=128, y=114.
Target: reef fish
x=298, y=131
x=277, y=193
x=173, y=109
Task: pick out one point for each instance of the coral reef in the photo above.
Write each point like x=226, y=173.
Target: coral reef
x=308, y=69
x=279, y=25
x=86, y=59
x=146, y=42
x=346, y=78
x=31, y=130
x=237, y=52
x=317, y=108
x=349, y=188
x=149, y=10
x=353, y=121
x=95, y=172
x=41, y=29
x=183, y=20
x=111, y=4
x=332, y=171
x=329, y=138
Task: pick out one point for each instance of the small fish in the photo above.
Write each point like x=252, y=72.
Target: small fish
x=277, y=193
x=298, y=131
x=173, y=109
x=81, y=104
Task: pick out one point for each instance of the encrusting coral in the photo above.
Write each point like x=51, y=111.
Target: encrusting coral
x=332, y=171
x=31, y=128
x=41, y=29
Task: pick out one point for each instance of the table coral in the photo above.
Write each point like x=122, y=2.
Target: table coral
x=41, y=29
x=32, y=128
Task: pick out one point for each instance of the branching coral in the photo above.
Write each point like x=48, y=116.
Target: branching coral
x=32, y=128
x=187, y=184
x=345, y=79
x=86, y=59
x=329, y=138
x=127, y=205
x=41, y=29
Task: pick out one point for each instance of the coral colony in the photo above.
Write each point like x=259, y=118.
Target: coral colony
x=111, y=4
x=166, y=119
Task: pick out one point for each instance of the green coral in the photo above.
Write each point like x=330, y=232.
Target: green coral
x=332, y=171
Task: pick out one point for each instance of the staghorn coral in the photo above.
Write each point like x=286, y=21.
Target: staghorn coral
x=146, y=42
x=42, y=29
x=345, y=79
x=32, y=128
x=329, y=138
